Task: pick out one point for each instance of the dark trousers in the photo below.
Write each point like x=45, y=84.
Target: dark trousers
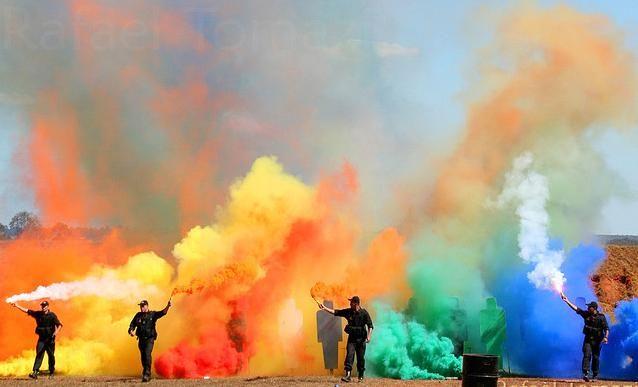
x=357, y=347
x=45, y=344
x=146, y=350
x=591, y=355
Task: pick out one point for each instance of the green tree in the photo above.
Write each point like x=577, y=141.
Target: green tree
x=23, y=221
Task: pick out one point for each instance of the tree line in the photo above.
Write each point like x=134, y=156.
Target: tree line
x=21, y=222
x=27, y=224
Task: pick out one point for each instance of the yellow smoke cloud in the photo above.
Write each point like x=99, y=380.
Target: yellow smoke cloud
x=78, y=357
x=274, y=239
x=262, y=208
x=93, y=340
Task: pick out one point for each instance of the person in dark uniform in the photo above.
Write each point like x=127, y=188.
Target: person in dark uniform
x=359, y=330
x=47, y=328
x=143, y=326
x=596, y=331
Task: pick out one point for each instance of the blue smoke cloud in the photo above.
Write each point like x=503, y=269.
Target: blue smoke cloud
x=544, y=336
x=619, y=357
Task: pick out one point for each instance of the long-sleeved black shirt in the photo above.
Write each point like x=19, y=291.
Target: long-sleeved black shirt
x=357, y=319
x=45, y=322
x=595, y=325
x=144, y=323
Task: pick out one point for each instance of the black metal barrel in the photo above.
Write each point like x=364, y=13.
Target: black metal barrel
x=480, y=370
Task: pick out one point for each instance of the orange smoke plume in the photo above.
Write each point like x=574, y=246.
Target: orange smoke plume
x=337, y=293
x=232, y=275
x=580, y=78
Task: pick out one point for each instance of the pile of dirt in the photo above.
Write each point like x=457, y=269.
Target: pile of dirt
x=617, y=277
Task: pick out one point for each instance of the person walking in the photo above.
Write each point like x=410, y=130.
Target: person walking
x=143, y=326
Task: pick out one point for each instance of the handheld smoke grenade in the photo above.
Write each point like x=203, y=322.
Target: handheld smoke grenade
x=172, y=294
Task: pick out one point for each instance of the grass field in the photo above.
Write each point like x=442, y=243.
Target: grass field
x=303, y=381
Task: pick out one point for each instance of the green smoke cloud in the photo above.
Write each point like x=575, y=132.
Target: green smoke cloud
x=405, y=349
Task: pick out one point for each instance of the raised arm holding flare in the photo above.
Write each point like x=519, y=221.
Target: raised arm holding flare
x=596, y=331
x=143, y=326
x=359, y=330
x=47, y=328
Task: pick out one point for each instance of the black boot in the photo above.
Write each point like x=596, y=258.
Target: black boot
x=346, y=378
x=34, y=374
x=360, y=377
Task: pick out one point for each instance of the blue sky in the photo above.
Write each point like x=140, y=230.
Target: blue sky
x=434, y=81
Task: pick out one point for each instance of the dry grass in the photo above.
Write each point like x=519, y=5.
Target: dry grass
x=302, y=381
x=617, y=277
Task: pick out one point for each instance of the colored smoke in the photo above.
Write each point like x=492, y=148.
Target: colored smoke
x=404, y=349
x=621, y=354
x=105, y=287
x=321, y=291
x=539, y=322
x=529, y=190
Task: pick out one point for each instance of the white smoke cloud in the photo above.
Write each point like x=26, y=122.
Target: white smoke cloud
x=529, y=191
x=107, y=286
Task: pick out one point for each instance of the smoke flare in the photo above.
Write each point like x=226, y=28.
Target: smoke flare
x=530, y=191
x=108, y=287
x=336, y=293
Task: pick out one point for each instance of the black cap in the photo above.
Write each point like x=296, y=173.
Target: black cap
x=355, y=299
x=44, y=303
x=144, y=302
x=592, y=304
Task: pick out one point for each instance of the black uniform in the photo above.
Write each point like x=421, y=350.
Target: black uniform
x=46, y=324
x=594, y=330
x=144, y=325
x=357, y=335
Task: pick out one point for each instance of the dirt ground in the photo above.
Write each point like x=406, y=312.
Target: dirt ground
x=303, y=381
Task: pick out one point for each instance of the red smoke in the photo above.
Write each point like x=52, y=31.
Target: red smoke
x=220, y=351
